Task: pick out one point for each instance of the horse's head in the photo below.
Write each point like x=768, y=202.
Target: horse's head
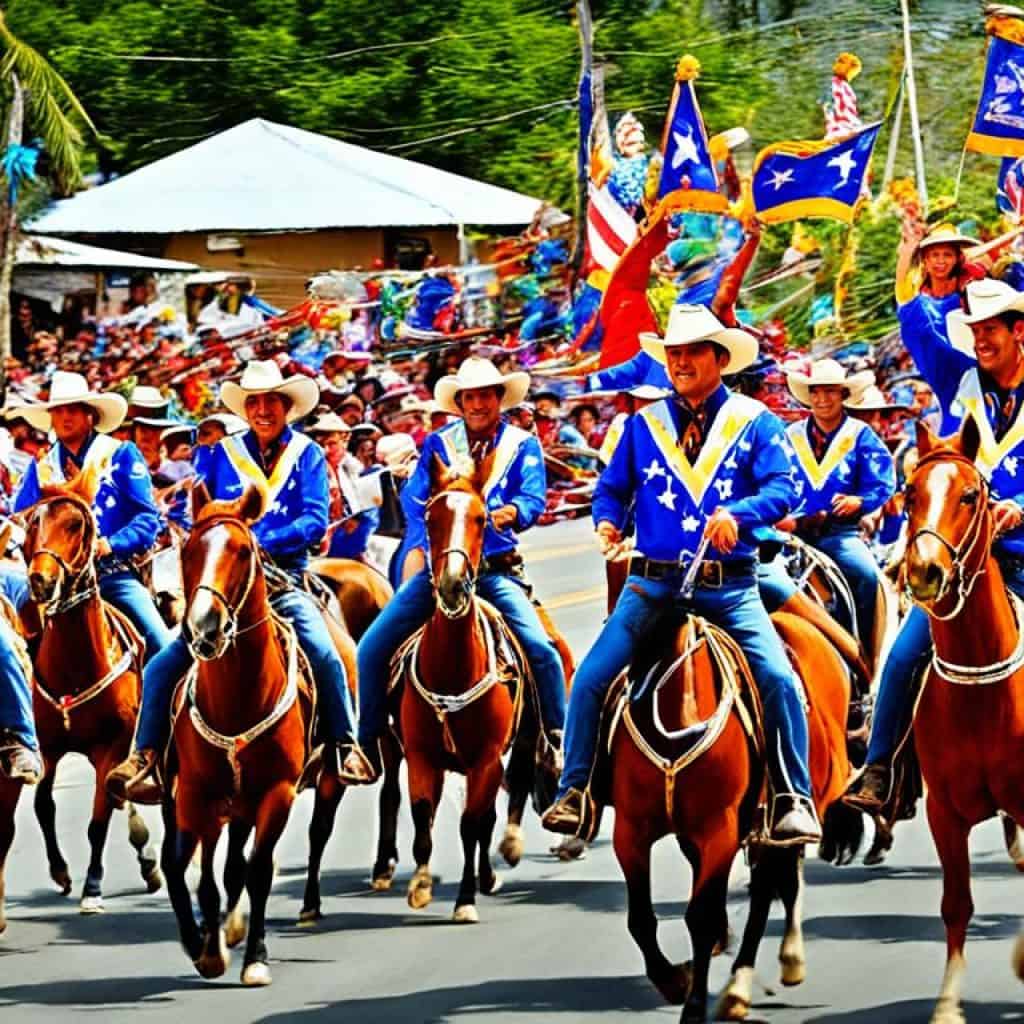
x=60, y=534
x=949, y=527
x=219, y=568
x=456, y=516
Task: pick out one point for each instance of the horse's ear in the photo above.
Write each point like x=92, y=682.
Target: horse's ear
x=970, y=438
x=438, y=474
x=926, y=440
x=86, y=483
x=5, y=536
x=250, y=505
x=200, y=499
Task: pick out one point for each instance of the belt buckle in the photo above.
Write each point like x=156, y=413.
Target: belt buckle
x=712, y=575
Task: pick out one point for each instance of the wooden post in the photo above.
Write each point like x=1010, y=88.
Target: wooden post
x=915, y=124
x=9, y=232
x=586, y=29
x=894, y=139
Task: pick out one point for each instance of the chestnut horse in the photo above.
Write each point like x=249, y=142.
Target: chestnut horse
x=456, y=715
x=240, y=739
x=969, y=723
x=684, y=761
x=87, y=669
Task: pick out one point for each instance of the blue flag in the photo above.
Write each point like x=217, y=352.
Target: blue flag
x=998, y=127
x=688, y=177
x=813, y=178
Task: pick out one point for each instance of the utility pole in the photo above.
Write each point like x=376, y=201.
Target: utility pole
x=915, y=124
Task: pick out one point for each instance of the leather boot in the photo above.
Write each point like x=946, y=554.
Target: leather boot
x=794, y=821
x=357, y=768
x=132, y=779
x=870, y=790
x=567, y=815
x=18, y=762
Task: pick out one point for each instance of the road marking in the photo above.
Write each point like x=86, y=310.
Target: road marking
x=577, y=597
x=546, y=554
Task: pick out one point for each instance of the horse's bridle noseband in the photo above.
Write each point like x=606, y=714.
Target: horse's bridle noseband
x=468, y=583
x=958, y=581
x=77, y=583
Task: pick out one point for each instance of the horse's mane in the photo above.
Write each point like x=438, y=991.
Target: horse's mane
x=248, y=507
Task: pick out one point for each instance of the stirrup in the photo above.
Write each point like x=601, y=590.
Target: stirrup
x=565, y=819
x=361, y=771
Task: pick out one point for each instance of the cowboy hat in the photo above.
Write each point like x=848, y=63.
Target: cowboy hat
x=394, y=450
x=690, y=325
x=72, y=389
x=263, y=377
x=186, y=431
x=985, y=299
x=231, y=423
x=476, y=372
x=329, y=423
x=872, y=399
x=144, y=400
x=946, y=234
x=827, y=373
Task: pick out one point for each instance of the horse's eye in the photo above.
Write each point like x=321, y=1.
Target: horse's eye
x=481, y=520
x=969, y=496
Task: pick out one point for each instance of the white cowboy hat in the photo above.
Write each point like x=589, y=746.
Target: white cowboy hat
x=825, y=373
x=145, y=397
x=985, y=299
x=263, y=377
x=396, y=449
x=231, y=423
x=648, y=392
x=872, y=399
x=690, y=325
x=329, y=423
x=71, y=389
x=476, y=372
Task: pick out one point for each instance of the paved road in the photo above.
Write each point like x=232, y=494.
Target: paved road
x=551, y=947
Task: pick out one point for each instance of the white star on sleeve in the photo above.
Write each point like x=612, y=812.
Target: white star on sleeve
x=1011, y=465
x=668, y=497
x=690, y=524
x=655, y=469
x=724, y=488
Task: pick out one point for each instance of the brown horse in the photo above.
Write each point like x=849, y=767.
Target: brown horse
x=87, y=668
x=685, y=761
x=455, y=713
x=240, y=739
x=969, y=724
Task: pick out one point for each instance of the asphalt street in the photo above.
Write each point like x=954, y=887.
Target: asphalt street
x=551, y=946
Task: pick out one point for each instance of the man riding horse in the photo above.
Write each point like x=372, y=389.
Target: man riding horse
x=844, y=472
x=516, y=493
x=127, y=518
x=989, y=338
x=709, y=463
x=291, y=470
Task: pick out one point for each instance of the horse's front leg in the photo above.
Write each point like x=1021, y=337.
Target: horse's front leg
x=234, y=881
x=175, y=857
x=270, y=822
x=138, y=836
x=950, y=833
x=329, y=792
x=425, y=784
x=390, y=802
x=215, y=957
x=46, y=815
x=99, y=826
x=475, y=829
x=9, y=795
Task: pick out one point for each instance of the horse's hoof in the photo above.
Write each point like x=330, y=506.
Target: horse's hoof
x=421, y=889
x=466, y=914
x=91, y=905
x=570, y=848
x=1018, y=957
x=154, y=879
x=511, y=846
x=214, y=964
x=234, y=928
x=256, y=975
x=309, y=917
x=792, y=970
x=732, y=1006
x=495, y=887
x=381, y=881
x=675, y=986
x=948, y=1012
x=63, y=880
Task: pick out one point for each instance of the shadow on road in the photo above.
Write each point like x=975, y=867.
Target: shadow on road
x=542, y=996
x=99, y=991
x=917, y=1011
x=892, y=928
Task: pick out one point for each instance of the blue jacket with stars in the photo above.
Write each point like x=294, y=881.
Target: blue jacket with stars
x=517, y=478
x=743, y=466
x=855, y=463
x=126, y=514
x=297, y=499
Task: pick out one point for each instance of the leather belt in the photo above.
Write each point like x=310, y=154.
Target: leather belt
x=710, y=574
x=502, y=564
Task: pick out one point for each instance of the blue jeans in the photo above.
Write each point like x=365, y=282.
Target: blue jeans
x=774, y=585
x=127, y=594
x=854, y=560
x=412, y=606
x=895, y=697
x=15, y=694
x=164, y=671
x=737, y=608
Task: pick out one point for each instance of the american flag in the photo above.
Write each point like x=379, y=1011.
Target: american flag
x=841, y=115
x=610, y=229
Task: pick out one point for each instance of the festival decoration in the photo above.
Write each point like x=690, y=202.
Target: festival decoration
x=629, y=164
x=814, y=178
x=998, y=127
x=19, y=166
x=841, y=115
x=1010, y=188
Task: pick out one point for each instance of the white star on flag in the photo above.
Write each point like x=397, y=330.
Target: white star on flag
x=724, y=488
x=780, y=178
x=655, y=469
x=846, y=162
x=1011, y=465
x=730, y=463
x=690, y=524
x=686, y=150
x=668, y=498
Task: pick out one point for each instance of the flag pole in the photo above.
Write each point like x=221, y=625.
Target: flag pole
x=915, y=124
x=894, y=139
x=586, y=30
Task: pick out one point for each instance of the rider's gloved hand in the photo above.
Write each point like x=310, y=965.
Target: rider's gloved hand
x=609, y=539
x=504, y=517
x=1007, y=515
x=722, y=530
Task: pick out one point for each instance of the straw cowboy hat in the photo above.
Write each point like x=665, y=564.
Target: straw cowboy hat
x=872, y=399
x=72, y=389
x=985, y=299
x=945, y=234
x=263, y=377
x=476, y=372
x=825, y=373
x=690, y=325
x=329, y=423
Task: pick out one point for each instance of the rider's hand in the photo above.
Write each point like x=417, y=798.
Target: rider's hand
x=1007, y=515
x=722, y=530
x=787, y=525
x=102, y=547
x=845, y=505
x=609, y=538
x=505, y=517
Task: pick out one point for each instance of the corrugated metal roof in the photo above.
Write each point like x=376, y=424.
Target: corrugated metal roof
x=43, y=251
x=261, y=176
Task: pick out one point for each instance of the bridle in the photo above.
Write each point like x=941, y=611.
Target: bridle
x=961, y=580
x=467, y=583
x=233, y=630
x=77, y=582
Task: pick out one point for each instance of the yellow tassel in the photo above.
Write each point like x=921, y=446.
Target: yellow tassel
x=688, y=68
x=1005, y=27
x=847, y=66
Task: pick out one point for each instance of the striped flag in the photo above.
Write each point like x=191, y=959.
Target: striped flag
x=610, y=229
